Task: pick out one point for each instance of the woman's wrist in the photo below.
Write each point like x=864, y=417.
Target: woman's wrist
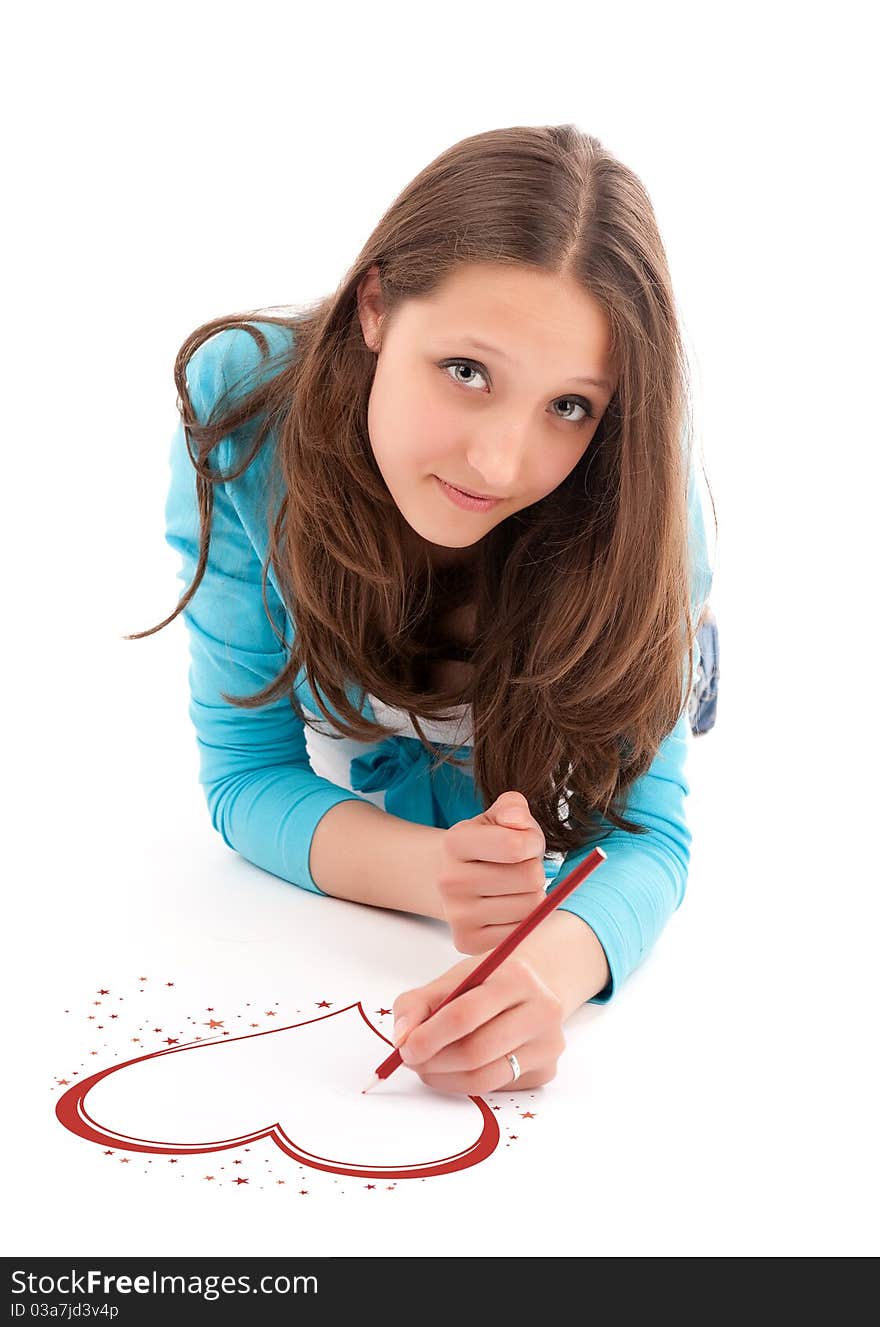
x=567, y=955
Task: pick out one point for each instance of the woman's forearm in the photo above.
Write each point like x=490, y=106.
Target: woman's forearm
x=363, y=853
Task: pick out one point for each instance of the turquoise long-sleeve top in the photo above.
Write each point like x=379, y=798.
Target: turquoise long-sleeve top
x=267, y=784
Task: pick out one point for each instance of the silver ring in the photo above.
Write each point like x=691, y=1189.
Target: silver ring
x=514, y=1064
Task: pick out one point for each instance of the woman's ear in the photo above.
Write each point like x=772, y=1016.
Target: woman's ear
x=371, y=308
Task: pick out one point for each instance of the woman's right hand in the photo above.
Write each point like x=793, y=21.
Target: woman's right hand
x=490, y=873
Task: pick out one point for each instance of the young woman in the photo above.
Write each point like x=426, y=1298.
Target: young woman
x=421, y=700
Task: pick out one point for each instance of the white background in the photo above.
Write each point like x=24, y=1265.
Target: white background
x=173, y=164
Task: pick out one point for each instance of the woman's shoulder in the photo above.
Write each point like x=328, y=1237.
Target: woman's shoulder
x=230, y=364
x=236, y=360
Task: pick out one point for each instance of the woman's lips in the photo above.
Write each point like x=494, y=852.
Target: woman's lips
x=466, y=500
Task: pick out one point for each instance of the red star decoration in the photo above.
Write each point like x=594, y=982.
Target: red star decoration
x=169, y=1041
x=270, y=1013
x=207, y=1177
x=369, y=1186
x=172, y=1161
x=213, y=1023
x=143, y=978
x=239, y=1179
x=114, y=1015
x=157, y=1029
x=383, y=1011
x=123, y=1161
x=237, y=1162
x=514, y=1135
x=527, y=1115
x=169, y=983
x=280, y=1181
x=323, y=1004
x=303, y=1190
x=103, y=992
x=62, y=1082
x=91, y=1018
x=108, y=1153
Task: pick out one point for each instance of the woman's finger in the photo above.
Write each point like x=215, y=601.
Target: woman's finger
x=415, y=1006
x=494, y=1039
x=463, y=1014
x=495, y=843
x=494, y=1077
x=491, y=879
x=499, y=910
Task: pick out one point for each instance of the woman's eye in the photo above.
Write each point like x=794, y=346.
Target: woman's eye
x=475, y=370
x=462, y=363
x=581, y=405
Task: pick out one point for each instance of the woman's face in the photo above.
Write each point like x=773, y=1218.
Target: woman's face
x=510, y=422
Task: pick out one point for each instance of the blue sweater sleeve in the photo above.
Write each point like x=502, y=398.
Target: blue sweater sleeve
x=263, y=796
x=628, y=900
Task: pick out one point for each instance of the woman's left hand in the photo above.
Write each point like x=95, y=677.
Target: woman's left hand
x=463, y=1047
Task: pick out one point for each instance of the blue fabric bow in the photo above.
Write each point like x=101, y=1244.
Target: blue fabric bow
x=402, y=766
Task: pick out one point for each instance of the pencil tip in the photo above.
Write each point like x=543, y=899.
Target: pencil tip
x=370, y=1085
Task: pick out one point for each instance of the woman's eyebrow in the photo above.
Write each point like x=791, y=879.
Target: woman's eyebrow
x=601, y=383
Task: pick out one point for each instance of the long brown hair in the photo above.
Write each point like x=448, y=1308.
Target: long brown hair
x=583, y=651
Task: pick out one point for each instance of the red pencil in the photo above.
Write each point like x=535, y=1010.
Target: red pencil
x=550, y=901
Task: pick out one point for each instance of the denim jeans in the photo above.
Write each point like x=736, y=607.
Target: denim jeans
x=703, y=702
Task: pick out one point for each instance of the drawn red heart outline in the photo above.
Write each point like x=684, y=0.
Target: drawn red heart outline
x=71, y=1112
